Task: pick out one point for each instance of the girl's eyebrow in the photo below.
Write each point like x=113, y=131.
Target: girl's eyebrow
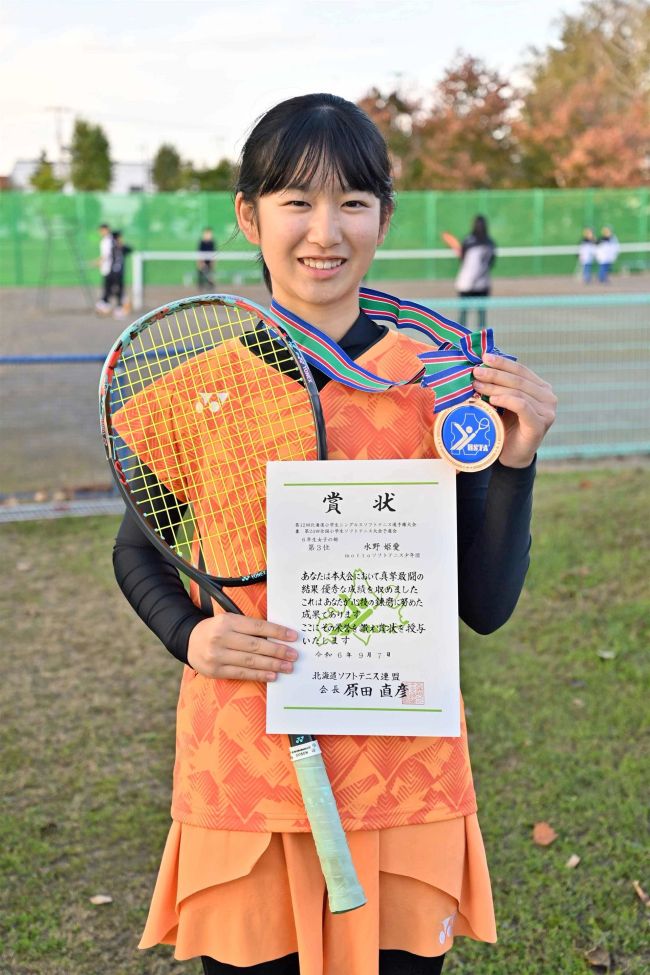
x=311, y=187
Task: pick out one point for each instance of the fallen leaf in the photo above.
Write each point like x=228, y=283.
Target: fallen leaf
x=23, y=566
x=599, y=958
x=583, y=570
x=573, y=861
x=578, y=702
x=101, y=899
x=543, y=834
x=640, y=893
x=607, y=654
x=585, y=485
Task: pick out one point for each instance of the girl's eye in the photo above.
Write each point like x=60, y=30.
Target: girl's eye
x=297, y=203
x=355, y=204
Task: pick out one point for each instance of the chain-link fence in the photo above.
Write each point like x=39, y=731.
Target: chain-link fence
x=51, y=238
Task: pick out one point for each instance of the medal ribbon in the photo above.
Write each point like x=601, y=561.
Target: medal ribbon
x=446, y=369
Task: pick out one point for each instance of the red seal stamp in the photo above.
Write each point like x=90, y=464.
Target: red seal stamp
x=414, y=692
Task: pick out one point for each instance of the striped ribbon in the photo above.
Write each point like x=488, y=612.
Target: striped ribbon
x=447, y=369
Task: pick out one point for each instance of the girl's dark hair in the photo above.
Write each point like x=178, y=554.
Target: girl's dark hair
x=480, y=228
x=312, y=136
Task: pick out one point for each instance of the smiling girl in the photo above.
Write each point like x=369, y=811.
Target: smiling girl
x=240, y=883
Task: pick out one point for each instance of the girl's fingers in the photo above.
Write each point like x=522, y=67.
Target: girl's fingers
x=508, y=372
x=541, y=397
x=260, y=628
x=254, y=645
x=248, y=664
x=507, y=376
x=525, y=409
x=493, y=379
x=240, y=673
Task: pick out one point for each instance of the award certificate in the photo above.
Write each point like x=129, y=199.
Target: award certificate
x=362, y=563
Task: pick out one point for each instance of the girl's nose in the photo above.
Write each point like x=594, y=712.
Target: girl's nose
x=324, y=226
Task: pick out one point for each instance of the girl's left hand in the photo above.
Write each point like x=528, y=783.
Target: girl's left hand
x=528, y=401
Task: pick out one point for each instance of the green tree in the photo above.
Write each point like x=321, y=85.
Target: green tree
x=220, y=178
x=167, y=169
x=43, y=179
x=585, y=119
x=90, y=161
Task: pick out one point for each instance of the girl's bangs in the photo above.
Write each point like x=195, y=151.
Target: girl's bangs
x=316, y=153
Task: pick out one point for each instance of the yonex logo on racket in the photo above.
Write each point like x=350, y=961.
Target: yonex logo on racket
x=210, y=401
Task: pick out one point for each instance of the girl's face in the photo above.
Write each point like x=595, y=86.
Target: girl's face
x=317, y=243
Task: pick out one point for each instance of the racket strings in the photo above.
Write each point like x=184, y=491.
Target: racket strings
x=270, y=413
x=194, y=339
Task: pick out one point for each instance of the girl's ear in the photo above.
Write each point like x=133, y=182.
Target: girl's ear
x=384, y=226
x=245, y=213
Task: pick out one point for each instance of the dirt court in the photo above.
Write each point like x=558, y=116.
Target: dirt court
x=48, y=413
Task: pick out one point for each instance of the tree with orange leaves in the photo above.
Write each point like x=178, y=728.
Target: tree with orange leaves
x=585, y=120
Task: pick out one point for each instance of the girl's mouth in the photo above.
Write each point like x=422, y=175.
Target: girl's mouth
x=322, y=264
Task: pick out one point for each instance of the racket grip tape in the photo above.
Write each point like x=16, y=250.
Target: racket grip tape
x=344, y=891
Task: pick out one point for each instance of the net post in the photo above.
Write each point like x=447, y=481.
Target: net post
x=138, y=280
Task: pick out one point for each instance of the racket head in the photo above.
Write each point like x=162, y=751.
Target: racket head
x=195, y=397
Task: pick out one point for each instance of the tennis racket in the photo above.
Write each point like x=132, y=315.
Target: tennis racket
x=195, y=398
x=451, y=241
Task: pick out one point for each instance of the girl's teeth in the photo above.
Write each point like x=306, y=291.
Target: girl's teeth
x=322, y=265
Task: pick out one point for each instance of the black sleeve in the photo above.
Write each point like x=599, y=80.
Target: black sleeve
x=153, y=587
x=494, y=511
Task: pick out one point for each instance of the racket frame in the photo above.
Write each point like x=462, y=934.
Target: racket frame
x=105, y=385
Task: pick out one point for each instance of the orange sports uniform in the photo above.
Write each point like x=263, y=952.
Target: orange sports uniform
x=234, y=785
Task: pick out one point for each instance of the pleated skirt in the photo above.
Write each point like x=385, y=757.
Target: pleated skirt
x=246, y=898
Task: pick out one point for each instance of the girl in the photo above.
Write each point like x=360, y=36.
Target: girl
x=240, y=884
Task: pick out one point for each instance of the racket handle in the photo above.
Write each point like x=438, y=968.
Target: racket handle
x=344, y=891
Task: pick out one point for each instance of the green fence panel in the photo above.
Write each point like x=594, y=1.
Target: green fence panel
x=44, y=237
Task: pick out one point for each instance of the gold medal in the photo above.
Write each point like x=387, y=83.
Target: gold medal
x=469, y=435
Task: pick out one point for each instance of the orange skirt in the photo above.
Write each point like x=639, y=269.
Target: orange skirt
x=247, y=898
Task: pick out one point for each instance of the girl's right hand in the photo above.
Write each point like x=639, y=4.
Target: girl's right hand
x=234, y=647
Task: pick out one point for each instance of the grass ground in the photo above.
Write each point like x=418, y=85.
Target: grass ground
x=557, y=702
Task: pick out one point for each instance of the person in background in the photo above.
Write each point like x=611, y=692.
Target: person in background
x=119, y=252
x=207, y=244
x=607, y=250
x=104, y=264
x=587, y=253
x=477, y=257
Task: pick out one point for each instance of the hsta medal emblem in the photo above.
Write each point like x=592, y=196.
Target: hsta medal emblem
x=469, y=435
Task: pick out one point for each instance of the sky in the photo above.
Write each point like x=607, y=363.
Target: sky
x=197, y=73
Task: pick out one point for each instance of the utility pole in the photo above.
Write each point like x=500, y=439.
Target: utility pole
x=59, y=112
